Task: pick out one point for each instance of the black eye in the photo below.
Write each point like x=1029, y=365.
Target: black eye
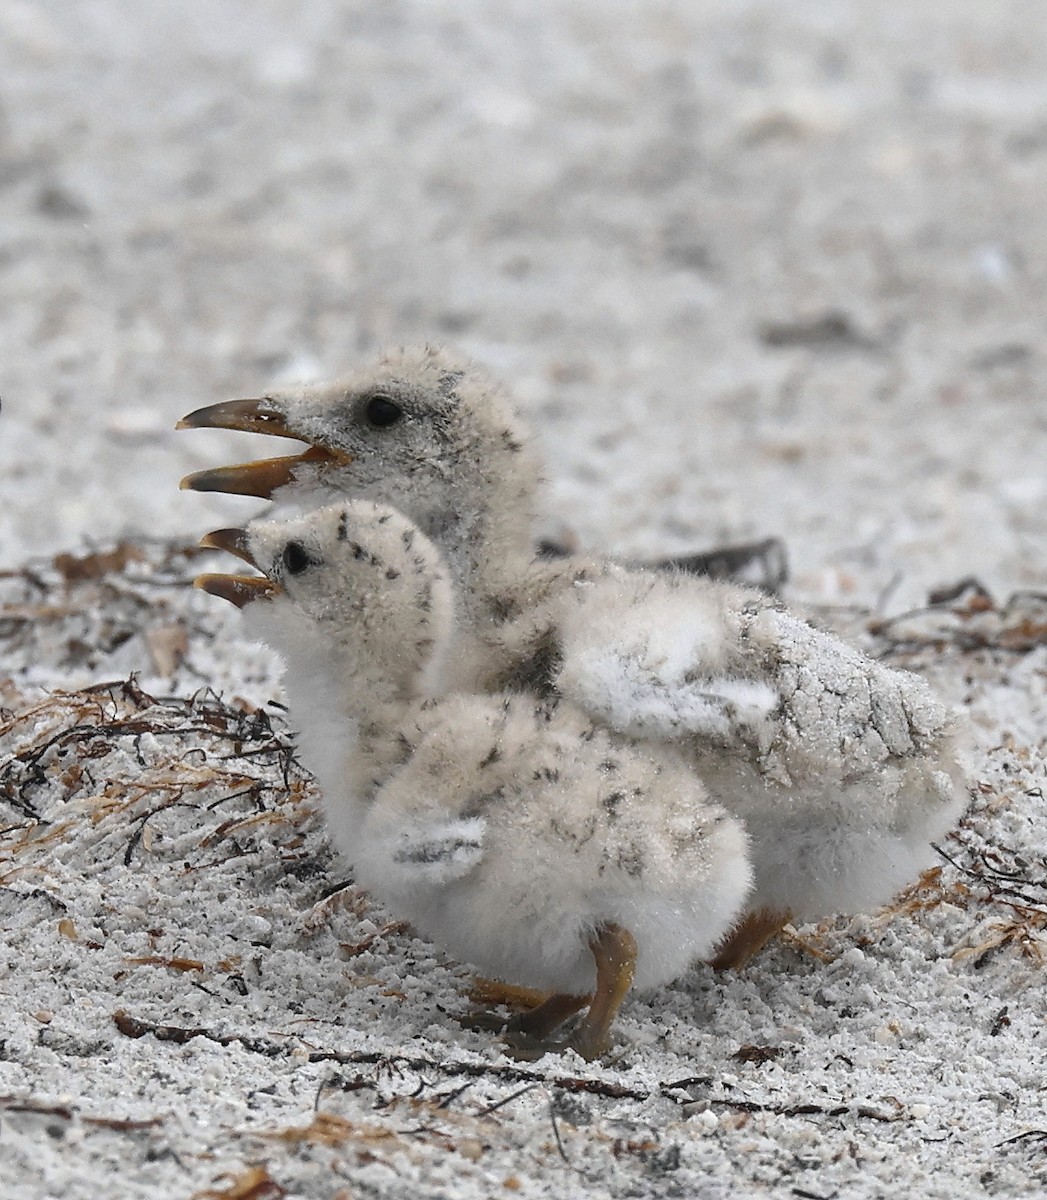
x=295, y=559
x=381, y=411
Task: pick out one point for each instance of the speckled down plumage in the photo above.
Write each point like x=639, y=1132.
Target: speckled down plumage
x=507, y=828
x=844, y=770
x=514, y=831
x=848, y=767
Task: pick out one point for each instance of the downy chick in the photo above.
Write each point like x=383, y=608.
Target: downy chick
x=844, y=769
x=509, y=829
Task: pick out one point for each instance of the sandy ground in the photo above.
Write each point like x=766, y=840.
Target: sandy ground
x=750, y=269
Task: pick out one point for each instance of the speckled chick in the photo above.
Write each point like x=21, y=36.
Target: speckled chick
x=508, y=828
x=844, y=769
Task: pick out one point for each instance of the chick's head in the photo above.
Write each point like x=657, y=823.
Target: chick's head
x=356, y=581
x=421, y=428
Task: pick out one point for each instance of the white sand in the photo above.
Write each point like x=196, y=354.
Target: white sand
x=751, y=269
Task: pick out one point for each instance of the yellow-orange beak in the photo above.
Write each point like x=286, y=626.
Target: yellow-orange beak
x=247, y=416
x=263, y=477
x=240, y=590
x=230, y=541
x=237, y=589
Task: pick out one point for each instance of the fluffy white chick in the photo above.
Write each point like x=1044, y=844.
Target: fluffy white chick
x=844, y=769
x=511, y=830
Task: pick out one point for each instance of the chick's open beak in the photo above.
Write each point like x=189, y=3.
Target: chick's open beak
x=257, y=415
x=237, y=589
x=263, y=477
x=231, y=541
x=259, y=478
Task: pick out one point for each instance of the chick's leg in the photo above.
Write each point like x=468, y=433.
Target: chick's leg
x=490, y=992
x=529, y=1005
x=614, y=949
x=748, y=938
x=537, y=1024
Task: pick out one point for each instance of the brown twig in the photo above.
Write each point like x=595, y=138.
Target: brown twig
x=15, y=1104
x=135, y=1028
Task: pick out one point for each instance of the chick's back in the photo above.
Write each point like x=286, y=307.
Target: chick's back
x=517, y=828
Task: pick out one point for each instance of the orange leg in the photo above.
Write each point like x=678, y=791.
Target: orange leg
x=540, y=1021
x=489, y=992
x=748, y=938
x=614, y=950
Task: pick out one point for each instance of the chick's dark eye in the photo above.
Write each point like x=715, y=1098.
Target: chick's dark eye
x=295, y=559
x=382, y=411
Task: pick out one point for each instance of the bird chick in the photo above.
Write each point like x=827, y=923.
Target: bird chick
x=844, y=769
x=507, y=828
x=432, y=435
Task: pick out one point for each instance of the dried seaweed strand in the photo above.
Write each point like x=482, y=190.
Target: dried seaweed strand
x=135, y=1028
x=16, y=1104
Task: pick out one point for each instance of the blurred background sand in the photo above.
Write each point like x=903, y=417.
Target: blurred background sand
x=751, y=268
